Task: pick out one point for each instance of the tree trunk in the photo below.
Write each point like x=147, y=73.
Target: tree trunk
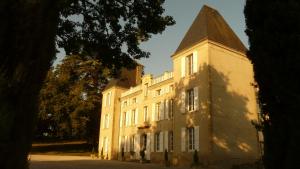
x=27, y=47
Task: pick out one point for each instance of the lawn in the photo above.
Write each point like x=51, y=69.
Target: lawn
x=78, y=148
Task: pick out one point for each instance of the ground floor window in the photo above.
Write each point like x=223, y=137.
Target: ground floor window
x=170, y=139
x=132, y=142
x=105, y=144
x=157, y=141
x=191, y=138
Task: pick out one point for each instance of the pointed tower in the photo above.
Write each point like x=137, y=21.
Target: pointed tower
x=215, y=102
x=210, y=25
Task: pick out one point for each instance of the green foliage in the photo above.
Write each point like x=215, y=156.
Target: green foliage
x=103, y=27
x=29, y=32
x=273, y=28
x=70, y=100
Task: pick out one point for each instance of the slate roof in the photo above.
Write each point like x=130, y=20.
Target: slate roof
x=209, y=24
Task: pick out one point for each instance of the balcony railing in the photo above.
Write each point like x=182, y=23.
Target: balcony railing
x=163, y=77
x=132, y=90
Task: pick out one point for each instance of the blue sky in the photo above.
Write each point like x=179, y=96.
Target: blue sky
x=162, y=46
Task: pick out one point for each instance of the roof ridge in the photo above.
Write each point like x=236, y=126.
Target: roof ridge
x=209, y=24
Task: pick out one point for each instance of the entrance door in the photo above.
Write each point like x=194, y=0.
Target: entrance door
x=145, y=144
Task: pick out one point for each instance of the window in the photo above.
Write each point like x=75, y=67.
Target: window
x=171, y=108
x=131, y=143
x=190, y=100
x=146, y=119
x=189, y=64
x=133, y=116
x=158, y=92
x=108, y=97
x=105, y=144
x=191, y=138
x=157, y=141
x=122, y=143
x=124, y=118
x=133, y=100
x=106, y=121
x=125, y=103
x=170, y=139
x=157, y=110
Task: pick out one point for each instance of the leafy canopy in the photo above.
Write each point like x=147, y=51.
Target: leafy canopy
x=110, y=31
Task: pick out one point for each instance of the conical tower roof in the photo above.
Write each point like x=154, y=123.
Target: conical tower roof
x=209, y=24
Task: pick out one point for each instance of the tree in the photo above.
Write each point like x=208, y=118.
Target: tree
x=70, y=99
x=273, y=28
x=28, y=32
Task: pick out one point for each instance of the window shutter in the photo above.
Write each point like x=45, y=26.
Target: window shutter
x=162, y=110
x=121, y=118
x=183, y=99
x=126, y=144
x=196, y=100
x=182, y=66
x=120, y=144
x=166, y=139
x=109, y=98
x=103, y=121
x=153, y=112
x=137, y=145
x=136, y=116
x=167, y=110
x=148, y=143
x=156, y=112
x=196, y=135
x=105, y=144
x=161, y=141
x=108, y=118
x=126, y=119
x=129, y=118
x=152, y=142
x=183, y=135
x=195, y=61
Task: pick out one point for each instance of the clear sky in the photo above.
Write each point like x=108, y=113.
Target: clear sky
x=162, y=46
x=184, y=12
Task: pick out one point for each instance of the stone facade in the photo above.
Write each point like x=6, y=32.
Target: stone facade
x=206, y=104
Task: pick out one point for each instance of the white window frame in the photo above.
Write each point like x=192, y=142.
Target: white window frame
x=106, y=121
x=133, y=116
x=191, y=138
x=157, y=110
x=146, y=114
x=190, y=99
x=189, y=64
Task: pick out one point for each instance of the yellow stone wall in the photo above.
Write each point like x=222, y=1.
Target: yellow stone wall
x=226, y=105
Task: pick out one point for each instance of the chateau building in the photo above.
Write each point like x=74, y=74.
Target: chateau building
x=207, y=103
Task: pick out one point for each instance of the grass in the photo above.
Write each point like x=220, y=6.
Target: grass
x=80, y=148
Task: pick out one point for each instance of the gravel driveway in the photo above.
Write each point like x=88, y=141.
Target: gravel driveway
x=84, y=162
